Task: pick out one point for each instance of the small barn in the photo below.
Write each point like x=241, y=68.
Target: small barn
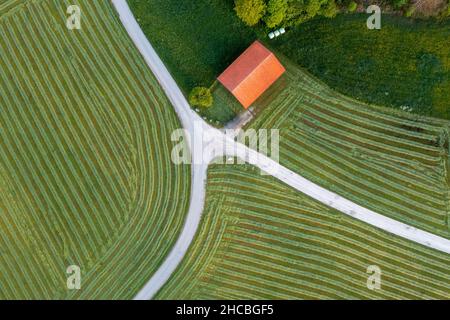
x=253, y=72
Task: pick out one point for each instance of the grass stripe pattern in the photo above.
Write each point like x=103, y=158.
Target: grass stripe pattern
x=260, y=239
x=392, y=162
x=86, y=177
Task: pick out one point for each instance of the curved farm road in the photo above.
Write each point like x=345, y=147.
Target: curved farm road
x=203, y=154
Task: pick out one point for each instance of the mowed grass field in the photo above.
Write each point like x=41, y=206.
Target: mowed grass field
x=86, y=177
x=260, y=239
x=394, y=163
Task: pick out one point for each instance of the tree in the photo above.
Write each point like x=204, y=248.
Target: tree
x=446, y=11
x=329, y=9
x=201, y=97
x=250, y=11
x=399, y=3
x=352, y=6
x=313, y=8
x=295, y=13
x=276, y=12
x=410, y=11
x=299, y=11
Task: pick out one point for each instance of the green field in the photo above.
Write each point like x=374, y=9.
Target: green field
x=85, y=171
x=260, y=239
x=197, y=40
x=406, y=63
x=392, y=162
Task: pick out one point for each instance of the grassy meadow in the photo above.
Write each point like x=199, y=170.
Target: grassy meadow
x=405, y=65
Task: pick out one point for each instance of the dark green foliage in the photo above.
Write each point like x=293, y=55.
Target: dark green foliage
x=352, y=6
x=276, y=12
x=250, y=11
x=399, y=3
x=284, y=12
x=410, y=11
x=446, y=11
x=205, y=36
x=299, y=11
x=329, y=9
x=196, y=40
x=403, y=65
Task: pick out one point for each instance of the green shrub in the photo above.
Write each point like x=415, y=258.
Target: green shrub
x=201, y=97
x=352, y=6
x=276, y=12
x=410, y=11
x=329, y=9
x=447, y=11
x=313, y=8
x=300, y=11
x=399, y=3
x=250, y=11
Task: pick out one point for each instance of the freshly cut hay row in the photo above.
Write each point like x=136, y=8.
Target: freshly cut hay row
x=86, y=176
x=338, y=169
x=7, y=6
x=391, y=162
x=260, y=239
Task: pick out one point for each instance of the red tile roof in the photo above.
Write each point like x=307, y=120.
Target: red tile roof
x=252, y=74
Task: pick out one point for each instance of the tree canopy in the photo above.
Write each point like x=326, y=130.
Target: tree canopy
x=201, y=97
x=250, y=11
x=276, y=12
x=283, y=12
